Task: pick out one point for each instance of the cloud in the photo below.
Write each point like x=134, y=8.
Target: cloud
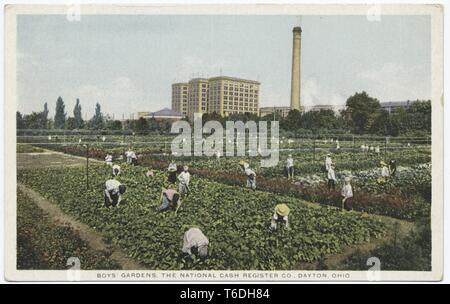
x=314, y=93
x=194, y=66
x=395, y=82
x=119, y=97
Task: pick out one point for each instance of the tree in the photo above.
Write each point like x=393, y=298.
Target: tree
x=60, y=115
x=20, y=121
x=114, y=125
x=33, y=120
x=419, y=113
x=141, y=126
x=212, y=116
x=292, y=120
x=382, y=124
x=70, y=123
x=78, y=118
x=97, y=122
x=361, y=112
x=44, y=117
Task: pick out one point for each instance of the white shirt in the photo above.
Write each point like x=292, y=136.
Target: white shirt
x=249, y=172
x=114, y=168
x=130, y=154
x=331, y=174
x=377, y=149
x=184, y=178
x=328, y=163
x=109, y=158
x=112, y=185
x=194, y=237
x=347, y=191
x=290, y=162
x=384, y=171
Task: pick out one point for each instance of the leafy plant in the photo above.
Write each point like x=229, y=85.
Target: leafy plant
x=236, y=220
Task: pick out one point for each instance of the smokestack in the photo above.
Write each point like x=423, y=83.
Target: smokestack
x=296, y=61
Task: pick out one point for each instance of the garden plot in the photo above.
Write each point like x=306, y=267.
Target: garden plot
x=46, y=159
x=235, y=219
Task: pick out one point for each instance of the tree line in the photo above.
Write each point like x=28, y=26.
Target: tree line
x=363, y=115
x=61, y=121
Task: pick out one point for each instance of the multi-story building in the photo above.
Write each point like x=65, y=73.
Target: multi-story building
x=180, y=97
x=229, y=95
x=391, y=106
x=223, y=95
x=197, y=96
x=283, y=111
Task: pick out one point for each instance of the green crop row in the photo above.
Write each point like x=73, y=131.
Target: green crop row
x=44, y=244
x=236, y=221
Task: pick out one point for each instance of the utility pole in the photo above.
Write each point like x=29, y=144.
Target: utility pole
x=87, y=170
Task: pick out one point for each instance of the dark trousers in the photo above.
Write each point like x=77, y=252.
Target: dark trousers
x=290, y=171
x=114, y=198
x=331, y=184
x=172, y=177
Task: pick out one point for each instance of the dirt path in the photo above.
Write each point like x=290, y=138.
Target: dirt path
x=333, y=261
x=51, y=158
x=92, y=237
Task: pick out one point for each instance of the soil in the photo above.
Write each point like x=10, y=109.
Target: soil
x=93, y=238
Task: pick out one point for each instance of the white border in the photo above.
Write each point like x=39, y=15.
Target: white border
x=437, y=89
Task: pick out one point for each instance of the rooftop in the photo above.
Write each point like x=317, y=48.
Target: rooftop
x=233, y=79
x=167, y=112
x=395, y=103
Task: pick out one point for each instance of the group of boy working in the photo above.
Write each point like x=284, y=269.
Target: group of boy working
x=194, y=241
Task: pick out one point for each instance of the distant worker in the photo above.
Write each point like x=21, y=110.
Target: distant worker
x=346, y=193
x=290, y=167
x=172, y=172
x=150, y=173
x=116, y=170
x=184, y=179
x=363, y=148
x=384, y=173
x=243, y=165
x=195, y=239
x=392, y=167
x=113, y=192
x=377, y=149
x=251, y=175
x=337, y=145
x=384, y=169
x=170, y=199
x=328, y=162
x=131, y=157
x=280, y=216
x=331, y=178
x=109, y=159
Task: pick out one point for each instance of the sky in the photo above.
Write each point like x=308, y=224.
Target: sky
x=128, y=63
